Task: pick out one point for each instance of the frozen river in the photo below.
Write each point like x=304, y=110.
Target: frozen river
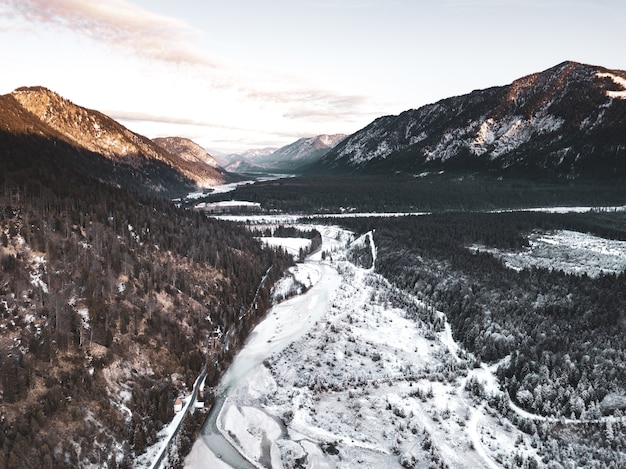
x=285, y=323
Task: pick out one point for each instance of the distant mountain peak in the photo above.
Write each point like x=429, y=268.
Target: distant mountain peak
x=290, y=158
x=186, y=149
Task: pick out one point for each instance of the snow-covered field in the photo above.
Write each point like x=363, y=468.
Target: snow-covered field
x=291, y=245
x=343, y=376
x=366, y=387
x=569, y=251
x=362, y=385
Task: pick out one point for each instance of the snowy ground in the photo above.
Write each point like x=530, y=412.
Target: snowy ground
x=291, y=245
x=364, y=387
x=569, y=251
x=340, y=377
x=367, y=387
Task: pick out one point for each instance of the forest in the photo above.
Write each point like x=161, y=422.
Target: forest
x=558, y=337
x=107, y=301
x=428, y=192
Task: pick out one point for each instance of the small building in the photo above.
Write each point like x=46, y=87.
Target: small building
x=178, y=404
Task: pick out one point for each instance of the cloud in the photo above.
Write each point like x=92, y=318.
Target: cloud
x=160, y=119
x=471, y=4
x=120, y=25
x=348, y=4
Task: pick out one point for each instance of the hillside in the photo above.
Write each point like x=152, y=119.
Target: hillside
x=194, y=154
x=568, y=121
x=95, y=145
x=107, y=300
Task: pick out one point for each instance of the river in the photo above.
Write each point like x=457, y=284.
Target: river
x=285, y=323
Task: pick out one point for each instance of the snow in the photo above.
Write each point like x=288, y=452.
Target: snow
x=38, y=266
x=577, y=209
x=84, y=314
x=617, y=80
x=291, y=245
x=342, y=377
x=226, y=204
x=296, y=280
x=347, y=368
x=291, y=219
x=569, y=251
x=502, y=136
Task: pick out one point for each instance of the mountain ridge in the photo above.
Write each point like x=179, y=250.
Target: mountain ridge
x=99, y=146
x=567, y=120
x=290, y=158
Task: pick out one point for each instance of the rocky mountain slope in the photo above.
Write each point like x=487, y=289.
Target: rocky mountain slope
x=569, y=120
x=194, y=154
x=96, y=145
x=290, y=158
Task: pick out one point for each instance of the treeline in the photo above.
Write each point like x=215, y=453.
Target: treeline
x=564, y=333
x=282, y=231
x=102, y=293
x=433, y=192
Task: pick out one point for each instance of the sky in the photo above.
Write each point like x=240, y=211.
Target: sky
x=247, y=74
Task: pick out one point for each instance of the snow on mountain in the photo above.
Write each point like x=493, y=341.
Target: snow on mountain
x=621, y=94
x=292, y=157
x=567, y=120
x=307, y=148
x=230, y=161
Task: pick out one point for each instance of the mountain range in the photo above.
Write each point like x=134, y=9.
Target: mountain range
x=288, y=159
x=36, y=121
x=568, y=121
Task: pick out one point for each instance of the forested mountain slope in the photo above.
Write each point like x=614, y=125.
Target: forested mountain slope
x=568, y=121
x=96, y=146
x=107, y=301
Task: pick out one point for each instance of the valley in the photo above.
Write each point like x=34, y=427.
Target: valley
x=376, y=381
x=443, y=288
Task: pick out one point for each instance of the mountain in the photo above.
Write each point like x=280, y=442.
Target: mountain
x=568, y=121
x=94, y=145
x=194, y=154
x=233, y=161
x=290, y=158
x=107, y=296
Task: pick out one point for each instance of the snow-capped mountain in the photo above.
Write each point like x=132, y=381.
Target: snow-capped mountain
x=568, y=120
x=290, y=158
x=97, y=145
x=244, y=161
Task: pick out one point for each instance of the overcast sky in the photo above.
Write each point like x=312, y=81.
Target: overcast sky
x=241, y=74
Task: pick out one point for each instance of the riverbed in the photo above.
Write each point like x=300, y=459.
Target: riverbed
x=285, y=323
